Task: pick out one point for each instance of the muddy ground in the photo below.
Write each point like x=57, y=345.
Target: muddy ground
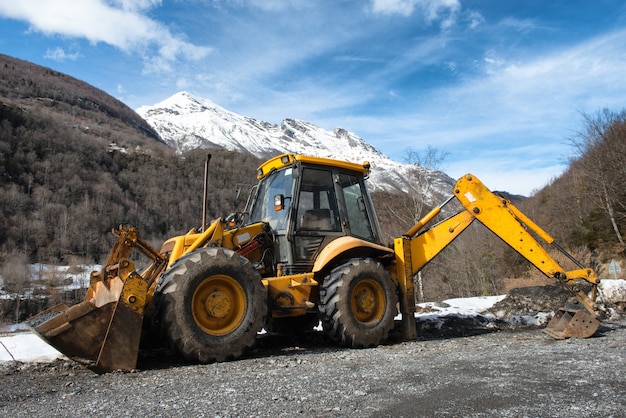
x=469, y=370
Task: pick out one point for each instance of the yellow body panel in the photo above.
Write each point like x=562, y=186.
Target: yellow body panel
x=342, y=245
x=215, y=235
x=427, y=245
x=290, y=295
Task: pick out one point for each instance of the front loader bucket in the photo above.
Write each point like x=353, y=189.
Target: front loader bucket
x=571, y=323
x=104, y=331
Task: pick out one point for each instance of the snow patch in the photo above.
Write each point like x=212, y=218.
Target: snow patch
x=612, y=291
x=27, y=347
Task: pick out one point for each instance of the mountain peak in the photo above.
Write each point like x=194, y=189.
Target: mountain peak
x=189, y=102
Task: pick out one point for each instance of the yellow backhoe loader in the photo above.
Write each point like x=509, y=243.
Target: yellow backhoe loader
x=308, y=248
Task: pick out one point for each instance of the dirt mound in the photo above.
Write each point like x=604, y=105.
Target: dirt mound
x=532, y=300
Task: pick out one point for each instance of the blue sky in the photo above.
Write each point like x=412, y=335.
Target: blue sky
x=498, y=85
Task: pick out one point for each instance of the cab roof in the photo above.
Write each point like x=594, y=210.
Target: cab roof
x=286, y=160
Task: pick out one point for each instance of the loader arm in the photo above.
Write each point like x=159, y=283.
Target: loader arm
x=420, y=244
x=104, y=330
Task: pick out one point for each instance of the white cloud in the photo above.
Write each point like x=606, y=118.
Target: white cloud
x=280, y=5
x=136, y=5
x=520, y=25
x=118, y=23
x=402, y=7
x=475, y=19
x=512, y=123
x=506, y=174
x=59, y=54
x=569, y=78
x=542, y=94
x=444, y=11
x=182, y=83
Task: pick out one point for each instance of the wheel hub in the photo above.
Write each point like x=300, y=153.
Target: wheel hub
x=366, y=301
x=218, y=304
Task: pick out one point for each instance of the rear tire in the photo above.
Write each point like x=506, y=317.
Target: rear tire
x=212, y=306
x=358, y=303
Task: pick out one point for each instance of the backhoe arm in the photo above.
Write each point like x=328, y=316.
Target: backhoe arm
x=506, y=221
x=419, y=245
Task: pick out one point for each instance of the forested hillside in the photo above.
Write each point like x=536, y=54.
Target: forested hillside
x=63, y=192
x=586, y=206
x=75, y=162
x=58, y=98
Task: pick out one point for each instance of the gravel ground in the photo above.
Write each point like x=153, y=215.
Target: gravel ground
x=510, y=373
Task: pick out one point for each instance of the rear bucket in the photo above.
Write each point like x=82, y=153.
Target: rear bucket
x=105, y=336
x=571, y=323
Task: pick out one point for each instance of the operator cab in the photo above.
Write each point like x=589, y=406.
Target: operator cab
x=309, y=202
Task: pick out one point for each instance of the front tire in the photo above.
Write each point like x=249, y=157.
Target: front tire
x=212, y=306
x=358, y=303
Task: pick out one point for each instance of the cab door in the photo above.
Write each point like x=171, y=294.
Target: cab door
x=358, y=215
x=317, y=217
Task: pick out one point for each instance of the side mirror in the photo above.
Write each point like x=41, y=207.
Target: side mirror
x=279, y=202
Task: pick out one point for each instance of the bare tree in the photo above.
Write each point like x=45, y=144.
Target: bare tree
x=600, y=153
x=406, y=210
x=420, y=197
x=16, y=277
x=425, y=163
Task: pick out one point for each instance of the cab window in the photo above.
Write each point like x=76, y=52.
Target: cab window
x=356, y=208
x=278, y=183
x=317, y=209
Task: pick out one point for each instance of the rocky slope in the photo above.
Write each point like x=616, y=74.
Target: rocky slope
x=185, y=121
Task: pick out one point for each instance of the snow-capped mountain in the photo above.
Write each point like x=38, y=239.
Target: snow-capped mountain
x=185, y=122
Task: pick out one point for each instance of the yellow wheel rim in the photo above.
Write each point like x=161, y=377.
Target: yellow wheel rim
x=368, y=301
x=219, y=305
